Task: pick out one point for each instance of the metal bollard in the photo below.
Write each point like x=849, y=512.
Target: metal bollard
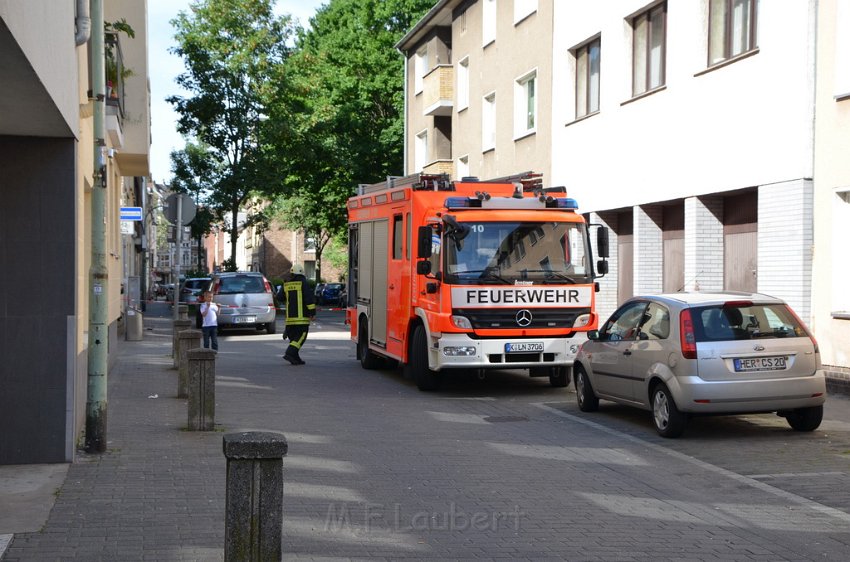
x=182, y=312
x=187, y=339
x=177, y=327
x=201, y=389
x=254, y=500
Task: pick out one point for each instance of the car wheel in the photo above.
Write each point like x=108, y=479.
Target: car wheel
x=368, y=359
x=559, y=377
x=587, y=400
x=271, y=327
x=669, y=421
x=425, y=378
x=805, y=419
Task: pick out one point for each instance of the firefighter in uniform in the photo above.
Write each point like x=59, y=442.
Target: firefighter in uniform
x=300, y=310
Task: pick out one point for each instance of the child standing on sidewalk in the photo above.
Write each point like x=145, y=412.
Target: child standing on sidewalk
x=209, y=312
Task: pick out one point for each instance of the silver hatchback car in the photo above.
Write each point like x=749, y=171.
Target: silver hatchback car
x=246, y=300
x=685, y=354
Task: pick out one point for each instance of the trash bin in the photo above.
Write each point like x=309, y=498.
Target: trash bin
x=135, y=324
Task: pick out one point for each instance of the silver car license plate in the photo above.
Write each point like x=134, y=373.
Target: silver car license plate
x=244, y=319
x=752, y=364
x=524, y=347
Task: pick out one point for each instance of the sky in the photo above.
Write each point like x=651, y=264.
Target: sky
x=164, y=68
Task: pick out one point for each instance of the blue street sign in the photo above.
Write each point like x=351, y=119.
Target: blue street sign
x=131, y=213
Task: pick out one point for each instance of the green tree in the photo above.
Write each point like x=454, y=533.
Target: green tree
x=195, y=173
x=337, y=110
x=231, y=50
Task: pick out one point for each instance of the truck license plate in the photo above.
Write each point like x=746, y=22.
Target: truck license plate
x=524, y=347
x=761, y=364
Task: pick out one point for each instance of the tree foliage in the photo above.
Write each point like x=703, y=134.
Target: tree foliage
x=231, y=49
x=337, y=108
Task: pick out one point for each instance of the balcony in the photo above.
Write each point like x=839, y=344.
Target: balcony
x=438, y=90
x=439, y=167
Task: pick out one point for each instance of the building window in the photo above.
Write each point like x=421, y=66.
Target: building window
x=463, y=167
x=523, y=9
x=463, y=22
x=525, y=101
x=842, y=51
x=649, y=49
x=463, y=84
x=488, y=28
x=488, y=123
x=421, y=151
x=587, y=77
x=731, y=29
x=421, y=62
x=309, y=244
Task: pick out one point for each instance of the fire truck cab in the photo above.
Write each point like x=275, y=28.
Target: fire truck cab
x=470, y=275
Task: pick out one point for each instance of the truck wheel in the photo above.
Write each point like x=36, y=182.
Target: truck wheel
x=425, y=378
x=368, y=359
x=559, y=377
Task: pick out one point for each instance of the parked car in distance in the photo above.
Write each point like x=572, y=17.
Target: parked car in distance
x=246, y=300
x=330, y=294
x=190, y=292
x=317, y=294
x=685, y=354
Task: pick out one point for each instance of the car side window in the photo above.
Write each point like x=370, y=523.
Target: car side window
x=623, y=324
x=655, y=323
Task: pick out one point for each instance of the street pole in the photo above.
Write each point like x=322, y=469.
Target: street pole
x=178, y=239
x=98, y=273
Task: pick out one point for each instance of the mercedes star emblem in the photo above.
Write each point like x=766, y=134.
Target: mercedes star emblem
x=523, y=318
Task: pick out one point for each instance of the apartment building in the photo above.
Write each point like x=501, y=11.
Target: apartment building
x=478, y=88
x=708, y=135
x=830, y=264
x=46, y=184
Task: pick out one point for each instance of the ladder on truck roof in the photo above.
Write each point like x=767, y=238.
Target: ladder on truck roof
x=418, y=181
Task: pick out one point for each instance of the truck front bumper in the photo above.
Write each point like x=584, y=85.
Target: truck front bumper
x=452, y=351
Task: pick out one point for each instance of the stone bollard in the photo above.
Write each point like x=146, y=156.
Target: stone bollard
x=201, y=389
x=178, y=326
x=253, y=527
x=182, y=312
x=187, y=339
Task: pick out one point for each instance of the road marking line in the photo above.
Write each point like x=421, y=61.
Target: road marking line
x=788, y=496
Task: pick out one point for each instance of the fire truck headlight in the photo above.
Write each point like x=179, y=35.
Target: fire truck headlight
x=582, y=321
x=462, y=322
x=459, y=351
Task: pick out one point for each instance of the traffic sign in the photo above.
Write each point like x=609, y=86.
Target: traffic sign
x=131, y=213
x=187, y=205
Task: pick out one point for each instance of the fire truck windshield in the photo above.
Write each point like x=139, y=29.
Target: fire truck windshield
x=509, y=252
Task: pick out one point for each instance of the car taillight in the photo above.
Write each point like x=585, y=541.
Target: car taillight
x=267, y=285
x=686, y=334
x=804, y=327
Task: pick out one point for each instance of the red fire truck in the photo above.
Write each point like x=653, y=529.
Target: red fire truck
x=470, y=274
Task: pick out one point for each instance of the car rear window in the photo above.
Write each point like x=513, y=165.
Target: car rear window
x=241, y=284
x=745, y=321
x=197, y=283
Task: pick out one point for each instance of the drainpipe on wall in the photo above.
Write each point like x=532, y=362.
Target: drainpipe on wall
x=83, y=23
x=98, y=273
x=404, y=116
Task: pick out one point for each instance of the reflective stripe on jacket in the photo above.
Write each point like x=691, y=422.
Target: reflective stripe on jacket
x=298, y=301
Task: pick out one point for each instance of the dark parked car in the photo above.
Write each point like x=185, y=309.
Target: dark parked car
x=686, y=354
x=330, y=293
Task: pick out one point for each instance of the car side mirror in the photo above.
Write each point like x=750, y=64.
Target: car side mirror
x=602, y=242
x=593, y=335
x=423, y=243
